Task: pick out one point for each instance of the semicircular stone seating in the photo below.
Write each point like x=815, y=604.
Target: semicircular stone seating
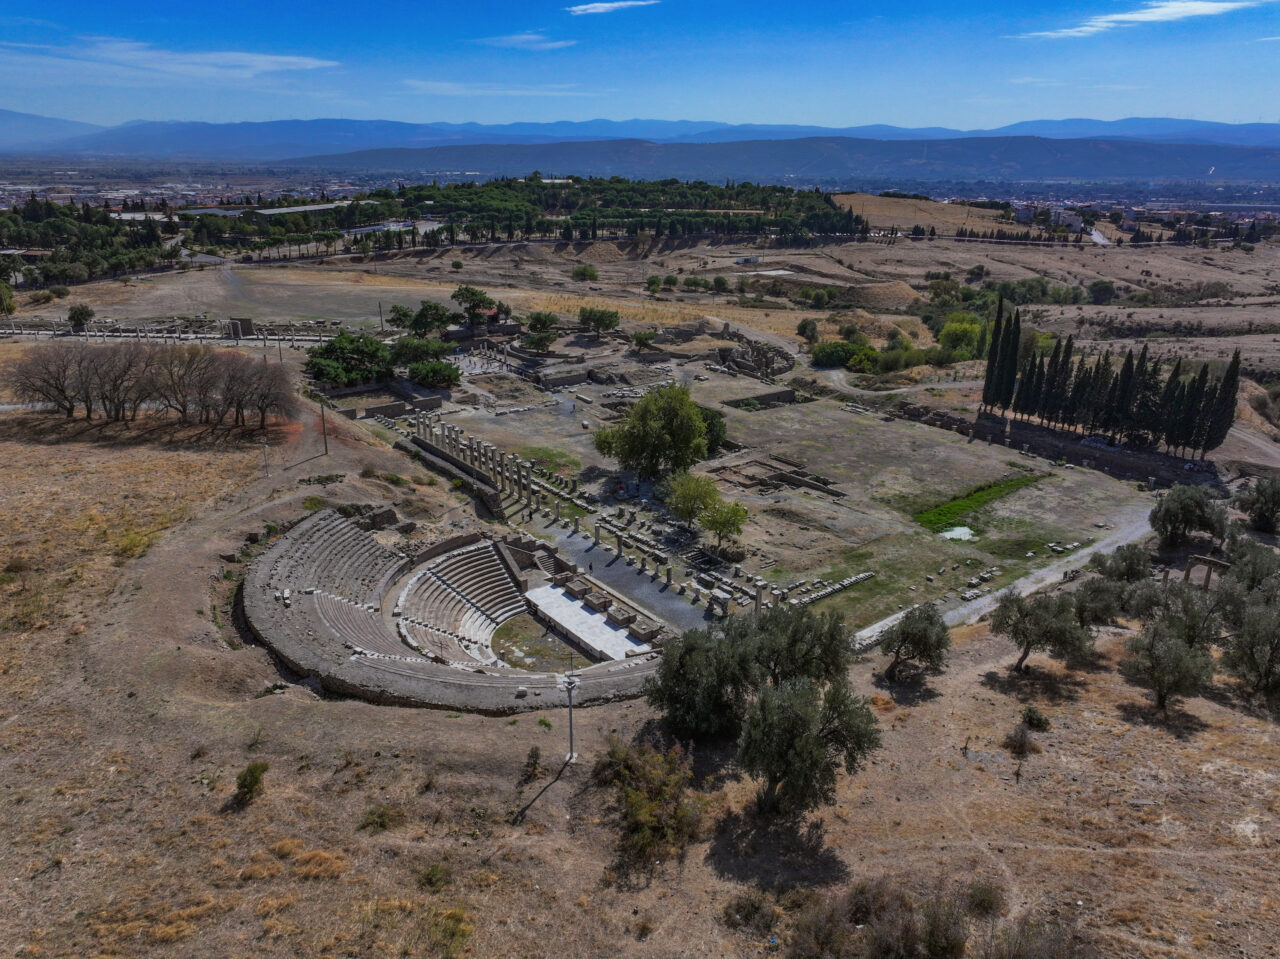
x=464, y=595
x=325, y=581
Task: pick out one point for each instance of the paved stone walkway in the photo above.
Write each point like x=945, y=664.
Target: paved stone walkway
x=642, y=589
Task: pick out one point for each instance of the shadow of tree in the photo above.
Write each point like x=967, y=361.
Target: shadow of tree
x=774, y=854
x=1035, y=684
x=1177, y=722
x=911, y=689
x=52, y=429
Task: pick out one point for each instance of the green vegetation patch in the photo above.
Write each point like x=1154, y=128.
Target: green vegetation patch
x=945, y=515
x=558, y=461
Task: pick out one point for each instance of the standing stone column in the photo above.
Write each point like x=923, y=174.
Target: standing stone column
x=759, y=597
x=597, y=536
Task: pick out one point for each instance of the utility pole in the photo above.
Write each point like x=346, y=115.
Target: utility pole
x=324, y=430
x=381, y=326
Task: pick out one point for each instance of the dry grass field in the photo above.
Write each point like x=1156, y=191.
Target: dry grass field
x=883, y=212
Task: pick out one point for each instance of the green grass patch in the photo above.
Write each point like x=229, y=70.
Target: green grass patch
x=945, y=515
x=558, y=461
x=313, y=504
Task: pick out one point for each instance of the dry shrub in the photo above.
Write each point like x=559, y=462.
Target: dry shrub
x=751, y=911
x=276, y=929
x=381, y=818
x=1021, y=743
x=170, y=932
x=318, y=864
x=882, y=704
x=269, y=906
x=287, y=848
x=449, y=931
x=261, y=866
x=660, y=814
x=984, y=899
x=880, y=919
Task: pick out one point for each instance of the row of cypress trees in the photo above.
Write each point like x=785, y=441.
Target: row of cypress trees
x=1139, y=403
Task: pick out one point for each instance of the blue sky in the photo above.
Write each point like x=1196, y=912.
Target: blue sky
x=924, y=63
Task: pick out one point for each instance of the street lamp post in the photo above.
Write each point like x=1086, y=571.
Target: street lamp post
x=570, y=684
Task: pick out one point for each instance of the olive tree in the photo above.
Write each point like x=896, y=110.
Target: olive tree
x=1046, y=623
x=1184, y=510
x=920, y=636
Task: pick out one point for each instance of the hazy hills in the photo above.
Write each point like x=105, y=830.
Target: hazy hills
x=830, y=158
x=19, y=131
x=281, y=139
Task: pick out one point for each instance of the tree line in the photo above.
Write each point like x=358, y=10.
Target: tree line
x=118, y=381
x=1139, y=403
x=84, y=242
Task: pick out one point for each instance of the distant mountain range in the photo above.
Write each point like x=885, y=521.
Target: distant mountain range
x=813, y=159
x=281, y=139
x=1136, y=148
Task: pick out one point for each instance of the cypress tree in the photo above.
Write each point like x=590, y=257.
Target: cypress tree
x=993, y=359
x=1009, y=361
x=1037, y=389
x=1224, y=408
x=1045, y=406
x=1192, y=409
x=1026, y=382
x=1167, y=407
x=1062, y=383
x=1079, y=386
x=1204, y=419
x=1177, y=407
x=1110, y=408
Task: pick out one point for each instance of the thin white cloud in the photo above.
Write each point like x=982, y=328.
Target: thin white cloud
x=1037, y=82
x=448, y=88
x=583, y=8
x=1153, y=11
x=527, y=41
x=1267, y=39
x=143, y=58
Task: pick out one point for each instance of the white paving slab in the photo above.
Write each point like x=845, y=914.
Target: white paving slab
x=583, y=624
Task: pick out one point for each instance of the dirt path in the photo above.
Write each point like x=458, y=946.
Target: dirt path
x=1267, y=451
